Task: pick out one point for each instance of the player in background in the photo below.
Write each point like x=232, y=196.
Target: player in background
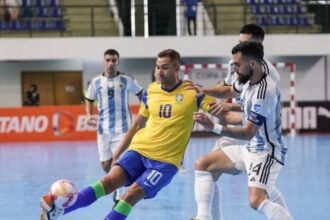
x=110, y=89
x=231, y=87
x=156, y=143
x=263, y=154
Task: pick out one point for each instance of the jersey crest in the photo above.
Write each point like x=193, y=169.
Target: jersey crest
x=179, y=98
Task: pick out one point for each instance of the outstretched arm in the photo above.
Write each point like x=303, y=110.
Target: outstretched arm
x=219, y=91
x=226, y=113
x=243, y=133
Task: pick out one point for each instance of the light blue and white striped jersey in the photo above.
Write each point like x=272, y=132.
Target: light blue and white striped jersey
x=112, y=97
x=261, y=104
x=231, y=78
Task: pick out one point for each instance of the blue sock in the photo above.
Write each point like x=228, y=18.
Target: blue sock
x=120, y=212
x=113, y=215
x=87, y=196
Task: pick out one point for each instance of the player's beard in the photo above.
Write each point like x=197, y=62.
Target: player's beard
x=168, y=81
x=164, y=81
x=242, y=79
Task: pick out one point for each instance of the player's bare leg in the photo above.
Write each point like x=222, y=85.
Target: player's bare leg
x=116, y=178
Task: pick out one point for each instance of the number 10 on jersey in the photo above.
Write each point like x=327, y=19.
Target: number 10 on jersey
x=165, y=111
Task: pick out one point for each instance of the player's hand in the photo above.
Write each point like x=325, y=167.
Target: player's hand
x=218, y=109
x=92, y=120
x=190, y=85
x=204, y=120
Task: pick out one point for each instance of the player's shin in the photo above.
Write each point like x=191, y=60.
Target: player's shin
x=87, y=196
x=204, y=186
x=216, y=209
x=276, y=196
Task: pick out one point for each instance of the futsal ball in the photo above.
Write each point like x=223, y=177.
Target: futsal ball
x=64, y=193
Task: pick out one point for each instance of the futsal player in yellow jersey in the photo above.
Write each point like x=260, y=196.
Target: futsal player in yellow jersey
x=169, y=122
x=156, y=143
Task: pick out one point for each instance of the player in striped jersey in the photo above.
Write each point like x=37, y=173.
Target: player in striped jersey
x=110, y=89
x=263, y=155
x=231, y=87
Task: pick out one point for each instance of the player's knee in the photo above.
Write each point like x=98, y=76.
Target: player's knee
x=201, y=164
x=107, y=185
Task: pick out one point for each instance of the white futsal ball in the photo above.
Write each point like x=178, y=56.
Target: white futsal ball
x=64, y=193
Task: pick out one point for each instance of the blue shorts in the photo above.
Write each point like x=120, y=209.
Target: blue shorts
x=150, y=175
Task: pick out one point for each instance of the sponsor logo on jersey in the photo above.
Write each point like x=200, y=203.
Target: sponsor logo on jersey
x=257, y=107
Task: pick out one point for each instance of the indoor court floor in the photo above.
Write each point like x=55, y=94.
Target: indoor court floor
x=28, y=169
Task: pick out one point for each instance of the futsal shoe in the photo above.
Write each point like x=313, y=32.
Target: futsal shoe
x=115, y=199
x=49, y=210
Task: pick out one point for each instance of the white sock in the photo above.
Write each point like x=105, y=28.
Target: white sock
x=203, y=194
x=273, y=211
x=120, y=192
x=216, y=209
x=276, y=196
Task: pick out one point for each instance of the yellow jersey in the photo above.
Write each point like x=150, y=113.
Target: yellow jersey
x=170, y=122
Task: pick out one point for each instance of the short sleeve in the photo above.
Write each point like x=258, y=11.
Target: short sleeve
x=134, y=86
x=238, y=87
x=259, y=111
x=91, y=91
x=143, y=110
x=204, y=102
x=273, y=73
x=230, y=78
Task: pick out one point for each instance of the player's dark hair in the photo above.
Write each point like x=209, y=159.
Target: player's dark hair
x=254, y=50
x=172, y=54
x=256, y=31
x=111, y=52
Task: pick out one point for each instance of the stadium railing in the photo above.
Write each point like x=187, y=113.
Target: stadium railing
x=277, y=16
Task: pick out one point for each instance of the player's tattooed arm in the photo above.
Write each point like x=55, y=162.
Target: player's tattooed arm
x=226, y=113
x=233, y=118
x=244, y=133
x=221, y=90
